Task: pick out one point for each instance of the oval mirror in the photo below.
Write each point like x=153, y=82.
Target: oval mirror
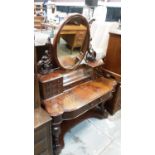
x=71, y=42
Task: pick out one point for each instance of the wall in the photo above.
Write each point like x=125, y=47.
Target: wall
x=113, y=0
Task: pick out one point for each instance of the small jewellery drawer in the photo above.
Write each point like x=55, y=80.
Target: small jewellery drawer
x=51, y=88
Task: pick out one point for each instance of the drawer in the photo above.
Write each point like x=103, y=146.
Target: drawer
x=46, y=152
x=81, y=33
x=39, y=134
x=51, y=88
x=80, y=36
x=79, y=43
x=41, y=146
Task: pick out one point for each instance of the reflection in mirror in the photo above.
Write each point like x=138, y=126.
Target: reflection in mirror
x=70, y=43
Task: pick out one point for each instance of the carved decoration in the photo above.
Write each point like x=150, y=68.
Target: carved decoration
x=45, y=64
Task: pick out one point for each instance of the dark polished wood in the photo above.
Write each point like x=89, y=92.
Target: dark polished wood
x=76, y=101
x=36, y=93
x=112, y=69
x=60, y=80
x=36, y=84
x=56, y=138
x=42, y=133
x=113, y=57
x=69, y=93
x=76, y=97
x=79, y=96
x=114, y=104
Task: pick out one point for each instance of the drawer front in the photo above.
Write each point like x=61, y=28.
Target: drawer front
x=51, y=88
x=79, y=43
x=46, y=152
x=81, y=33
x=40, y=134
x=41, y=146
x=80, y=36
x=42, y=140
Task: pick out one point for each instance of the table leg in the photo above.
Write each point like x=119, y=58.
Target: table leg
x=103, y=111
x=56, y=131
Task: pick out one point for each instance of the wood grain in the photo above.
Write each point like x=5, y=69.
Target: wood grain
x=42, y=133
x=78, y=96
x=113, y=56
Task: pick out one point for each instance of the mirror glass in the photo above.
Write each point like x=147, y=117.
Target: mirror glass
x=72, y=40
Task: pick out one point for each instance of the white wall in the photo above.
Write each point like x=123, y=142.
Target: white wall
x=100, y=31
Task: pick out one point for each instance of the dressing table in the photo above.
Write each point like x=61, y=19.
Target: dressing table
x=70, y=86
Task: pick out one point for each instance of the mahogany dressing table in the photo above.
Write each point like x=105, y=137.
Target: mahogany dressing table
x=69, y=88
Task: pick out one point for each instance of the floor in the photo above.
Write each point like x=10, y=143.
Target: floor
x=95, y=137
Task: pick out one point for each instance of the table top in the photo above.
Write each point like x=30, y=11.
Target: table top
x=40, y=117
x=79, y=96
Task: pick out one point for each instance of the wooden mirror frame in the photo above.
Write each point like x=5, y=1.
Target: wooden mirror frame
x=86, y=42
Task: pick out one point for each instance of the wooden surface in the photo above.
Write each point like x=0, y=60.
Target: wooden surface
x=42, y=133
x=78, y=96
x=38, y=22
x=113, y=56
x=112, y=69
x=36, y=84
x=114, y=104
x=95, y=63
x=51, y=88
x=73, y=28
x=60, y=80
x=40, y=117
x=66, y=74
x=109, y=74
x=36, y=93
x=74, y=35
x=50, y=76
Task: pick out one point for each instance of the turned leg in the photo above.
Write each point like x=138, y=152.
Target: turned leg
x=56, y=130
x=103, y=111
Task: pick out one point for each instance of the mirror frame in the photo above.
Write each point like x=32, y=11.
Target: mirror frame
x=86, y=42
